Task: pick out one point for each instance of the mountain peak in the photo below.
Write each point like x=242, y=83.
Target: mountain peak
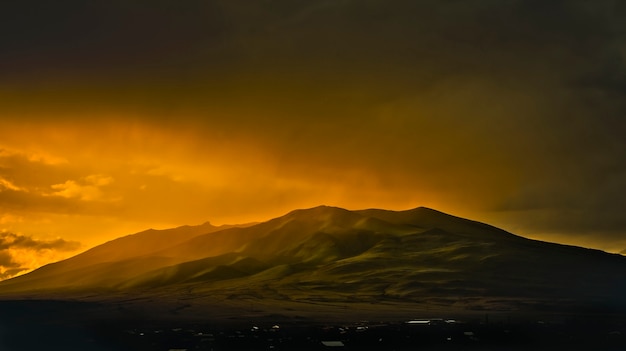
x=425, y=217
x=321, y=213
x=318, y=210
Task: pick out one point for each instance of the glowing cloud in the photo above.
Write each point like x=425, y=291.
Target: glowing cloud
x=20, y=253
x=9, y=185
x=88, y=189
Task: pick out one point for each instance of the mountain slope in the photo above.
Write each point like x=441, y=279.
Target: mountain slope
x=122, y=257
x=332, y=255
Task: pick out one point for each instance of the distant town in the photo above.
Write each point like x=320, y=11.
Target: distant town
x=417, y=334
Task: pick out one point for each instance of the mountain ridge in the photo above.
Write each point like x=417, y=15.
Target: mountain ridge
x=330, y=254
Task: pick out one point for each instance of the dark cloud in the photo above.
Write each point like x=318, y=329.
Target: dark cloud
x=18, y=252
x=105, y=35
x=10, y=240
x=174, y=54
x=8, y=267
x=6, y=260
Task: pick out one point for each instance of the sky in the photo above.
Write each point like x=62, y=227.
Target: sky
x=119, y=116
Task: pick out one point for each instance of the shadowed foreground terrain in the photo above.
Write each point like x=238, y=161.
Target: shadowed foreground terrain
x=319, y=274
x=67, y=325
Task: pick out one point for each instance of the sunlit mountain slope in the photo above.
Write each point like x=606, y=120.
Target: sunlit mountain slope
x=333, y=255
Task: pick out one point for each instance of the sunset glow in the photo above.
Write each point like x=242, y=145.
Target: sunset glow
x=237, y=113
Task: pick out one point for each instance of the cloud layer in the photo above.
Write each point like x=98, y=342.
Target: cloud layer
x=130, y=115
x=20, y=254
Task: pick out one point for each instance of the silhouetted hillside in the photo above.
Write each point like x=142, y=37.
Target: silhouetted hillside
x=334, y=256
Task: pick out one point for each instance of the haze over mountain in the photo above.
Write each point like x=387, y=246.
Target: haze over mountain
x=332, y=256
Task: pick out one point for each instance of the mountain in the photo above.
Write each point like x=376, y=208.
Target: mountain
x=331, y=256
x=110, y=258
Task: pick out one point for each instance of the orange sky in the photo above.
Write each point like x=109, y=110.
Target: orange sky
x=118, y=118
